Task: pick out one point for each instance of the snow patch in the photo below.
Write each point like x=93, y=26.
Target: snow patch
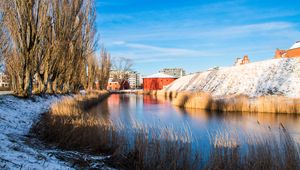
x=296, y=45
x=159, y=75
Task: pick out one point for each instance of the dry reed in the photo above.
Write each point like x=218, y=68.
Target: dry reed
x=70, y=125
x=239, y=103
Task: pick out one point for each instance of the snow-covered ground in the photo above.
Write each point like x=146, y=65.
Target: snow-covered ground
x=5, y=92
x=19, y=149
x=16, y=118
x=276, y=76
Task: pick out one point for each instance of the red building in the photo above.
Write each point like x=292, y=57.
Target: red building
x=157, y=81
x=113, y=86
x=294, y=51
x=243, y=61
x=116, y=86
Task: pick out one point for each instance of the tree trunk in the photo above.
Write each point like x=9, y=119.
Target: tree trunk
x=66, y=87
x=20, y=85
x=54, y=86
x=27, y=83
x=13, y=85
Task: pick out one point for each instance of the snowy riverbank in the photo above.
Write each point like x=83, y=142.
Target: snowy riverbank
x=16, y=118
x=19, y=149
x=276, y=77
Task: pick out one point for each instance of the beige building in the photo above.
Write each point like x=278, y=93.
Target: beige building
x=176, y=72
x=4, y=81
x=134, y=80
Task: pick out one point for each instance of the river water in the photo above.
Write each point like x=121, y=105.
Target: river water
x=159, y=112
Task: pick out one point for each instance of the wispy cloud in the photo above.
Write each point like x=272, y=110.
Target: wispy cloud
x=143, y=51
x=216, y=32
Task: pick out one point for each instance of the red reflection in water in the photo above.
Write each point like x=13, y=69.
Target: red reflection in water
x=149, y=100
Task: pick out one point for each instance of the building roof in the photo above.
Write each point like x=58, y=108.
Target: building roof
x=160, y=75
x=296, y=45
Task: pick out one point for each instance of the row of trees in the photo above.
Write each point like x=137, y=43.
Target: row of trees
x=99, y=70
x=49, y=46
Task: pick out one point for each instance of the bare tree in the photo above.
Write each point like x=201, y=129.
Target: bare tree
x=3, y=45
x=121, y=70
x=98, y=70
x=104, y=69
x=93, y=66
x=48, y=43
x=24, y=22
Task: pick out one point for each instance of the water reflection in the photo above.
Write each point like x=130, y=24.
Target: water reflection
x=158, y=111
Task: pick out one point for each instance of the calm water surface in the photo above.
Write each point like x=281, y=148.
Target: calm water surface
x=158, y=112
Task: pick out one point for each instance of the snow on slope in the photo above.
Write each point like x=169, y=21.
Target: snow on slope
x=276, y=76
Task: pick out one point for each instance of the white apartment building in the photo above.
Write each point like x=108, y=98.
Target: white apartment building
x=176, y=72
x=134, y=80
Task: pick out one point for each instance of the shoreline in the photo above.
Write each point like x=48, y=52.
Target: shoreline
x=232, y=103
x=72, y=127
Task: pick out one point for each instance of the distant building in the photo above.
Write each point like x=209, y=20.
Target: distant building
x=213, y=68
x=176, y=72
x=113, y=85
x=134, y=80
x=4, y=81
x=243, y=61
x=279, y=53
x=157, y=81
x=294, y=51
x=132, y=77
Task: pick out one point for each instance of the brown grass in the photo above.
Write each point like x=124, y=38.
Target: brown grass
x=261, y=152
x=195, y=100
x=160, y=93
x=240, y=103
x=264, y=104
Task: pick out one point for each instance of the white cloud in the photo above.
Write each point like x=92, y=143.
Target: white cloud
x=156, y=52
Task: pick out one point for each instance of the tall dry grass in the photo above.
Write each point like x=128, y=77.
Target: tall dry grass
x=266, y=151
x=263, y=104
x=239, y=103
x=197, y=100
x=159, y=93
x=67, y=124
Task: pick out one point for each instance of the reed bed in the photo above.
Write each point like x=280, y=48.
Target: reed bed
x=268, y=150
x=194, y=100
x=239, y=103
x=264, y=104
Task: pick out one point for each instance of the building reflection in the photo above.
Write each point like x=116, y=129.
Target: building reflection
x=150, y=100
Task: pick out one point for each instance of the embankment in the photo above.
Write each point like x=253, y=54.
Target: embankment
x=268, y=86
x=270, y=77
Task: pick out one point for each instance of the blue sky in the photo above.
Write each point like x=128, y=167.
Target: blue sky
x=194, y=34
